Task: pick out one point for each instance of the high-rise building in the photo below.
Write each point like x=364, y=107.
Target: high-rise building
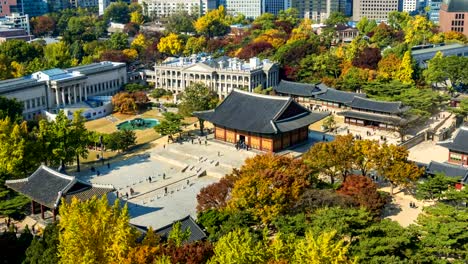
x=319, y=10
x=254, y=8
x=434, y=8
x=16, y=21
x=83, y=3
x=25, y=7
x=454, y=16
x=409, y=5
x=373, y=9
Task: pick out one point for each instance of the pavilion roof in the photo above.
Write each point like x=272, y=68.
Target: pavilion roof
x=47, y=186
x=459, y=142
x=394, y=120
x=297, y=89
x=378, y=106
x=449, y=170
x=259, y=113
x=337, y=96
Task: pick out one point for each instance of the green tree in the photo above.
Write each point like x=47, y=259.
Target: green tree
x=450, y=70
x=171, y=124
x=19, y=50
x=118, y=41
x=57, y=55
x=320, y=66
x=197, y=97
x=336, y=18
x=117, y=12
x=365, y=25
x=11, y=108
x=94, y=232
x=180, y=22
x=330, y=123
x=434, y=187
x=79, y=136
x=462, y=109
x=120, y=140
x=44, y=250
x=442, y=231
x=194, y=45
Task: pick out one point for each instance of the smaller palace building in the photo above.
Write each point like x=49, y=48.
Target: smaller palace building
x=267, y=123
x=46, y=187
x=458, y=147
x=366, y=112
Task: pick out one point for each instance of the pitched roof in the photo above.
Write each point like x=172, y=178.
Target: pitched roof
x=394, y=120
x=297, y=89
x=196, y=233
x=258, y=113
x=456, y=5
x=337, y=96
x=459, y=142
x=46, y=186
x=378, y=106
x=449, y=170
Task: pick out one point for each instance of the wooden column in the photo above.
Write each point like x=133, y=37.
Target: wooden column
x=33, y=207
x=42, y=212
x=54, y=213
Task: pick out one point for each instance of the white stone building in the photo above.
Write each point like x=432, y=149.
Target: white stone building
x=55, y=89
x=165, y=8
x=14, y=21
x=220, y=74
x=409, y=5
x=374, y=9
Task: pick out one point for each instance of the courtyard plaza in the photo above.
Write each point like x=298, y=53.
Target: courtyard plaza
x=178, y=171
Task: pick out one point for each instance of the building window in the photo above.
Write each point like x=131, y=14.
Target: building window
x=455, y=156
x=27, y=104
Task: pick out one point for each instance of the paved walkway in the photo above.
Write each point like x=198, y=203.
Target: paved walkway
x=427, y=151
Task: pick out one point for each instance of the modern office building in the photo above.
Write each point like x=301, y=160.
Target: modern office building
x=55, y=89
x=253, y=9
x=422, y=54
x=83, y=3
x=164, y=8
x=221, y=74
x=409, y=6
x=453, y=16
x=26, y=7
x=434, y=7
x=374, y=9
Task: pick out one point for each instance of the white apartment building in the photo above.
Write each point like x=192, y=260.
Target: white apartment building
x=16, y=21
x=373, y=9
x=54, y=89
x=253, y=9
x=409, y=5
x=221, y=74
x=164, y=8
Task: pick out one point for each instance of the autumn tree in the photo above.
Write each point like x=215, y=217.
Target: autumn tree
x=194, y=45
x=405, y=72
x=213, y=23
x=269, y=185
x=368, y=58
x=323, y=248
x=216, y=195
x=392, y=163
x=254, y=49
x=388, y=67
x=238, y=246
x=418, y=30
x=333, y=158
x=42, y=25
x=171, y=44
x=364, y=192
x=94, y=232
x=124, y=103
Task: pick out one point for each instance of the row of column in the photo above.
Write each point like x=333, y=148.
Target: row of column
x=71, y=93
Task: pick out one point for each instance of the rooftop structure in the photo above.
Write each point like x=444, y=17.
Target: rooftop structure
x=422, y=54
x=268, y=123
x=16, y=20
x=14, y=33
x=55, y=89
x=220, y=74
x=458, y=147
x=449, y=170
x=47, y=187
x=186, y=223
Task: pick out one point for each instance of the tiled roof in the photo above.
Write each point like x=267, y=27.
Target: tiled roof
x=337, y=96
x=378, y=106
x=449, y=170
x=196, y=233
x=297, y=89
x=457, y=6
x=459, y=142
x=46, y=186
x=257, y=113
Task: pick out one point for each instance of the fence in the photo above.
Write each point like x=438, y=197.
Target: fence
x=414, y=140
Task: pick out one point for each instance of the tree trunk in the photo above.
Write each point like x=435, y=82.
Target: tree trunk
x=332, y=179
x=391, y=188
x=77, y=163
x=202, y=126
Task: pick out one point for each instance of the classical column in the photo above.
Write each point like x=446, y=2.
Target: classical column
x=57, y=97
x=69, y=95
x=63, y=96
x=86, y=93
x=74, y=93
x=80, y=89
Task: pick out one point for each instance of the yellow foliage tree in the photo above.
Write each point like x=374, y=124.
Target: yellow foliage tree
x=405, y=71
x=273, y=36
x=94, y=232
x=139, y=43
x=171, y=44
x=323, y=248
x=388, y=67
x=213, y=23
x=18, y=69
x=302, y=32
x=418, y=31
x=137, y=18
x=194, y=45
x=132, y=54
